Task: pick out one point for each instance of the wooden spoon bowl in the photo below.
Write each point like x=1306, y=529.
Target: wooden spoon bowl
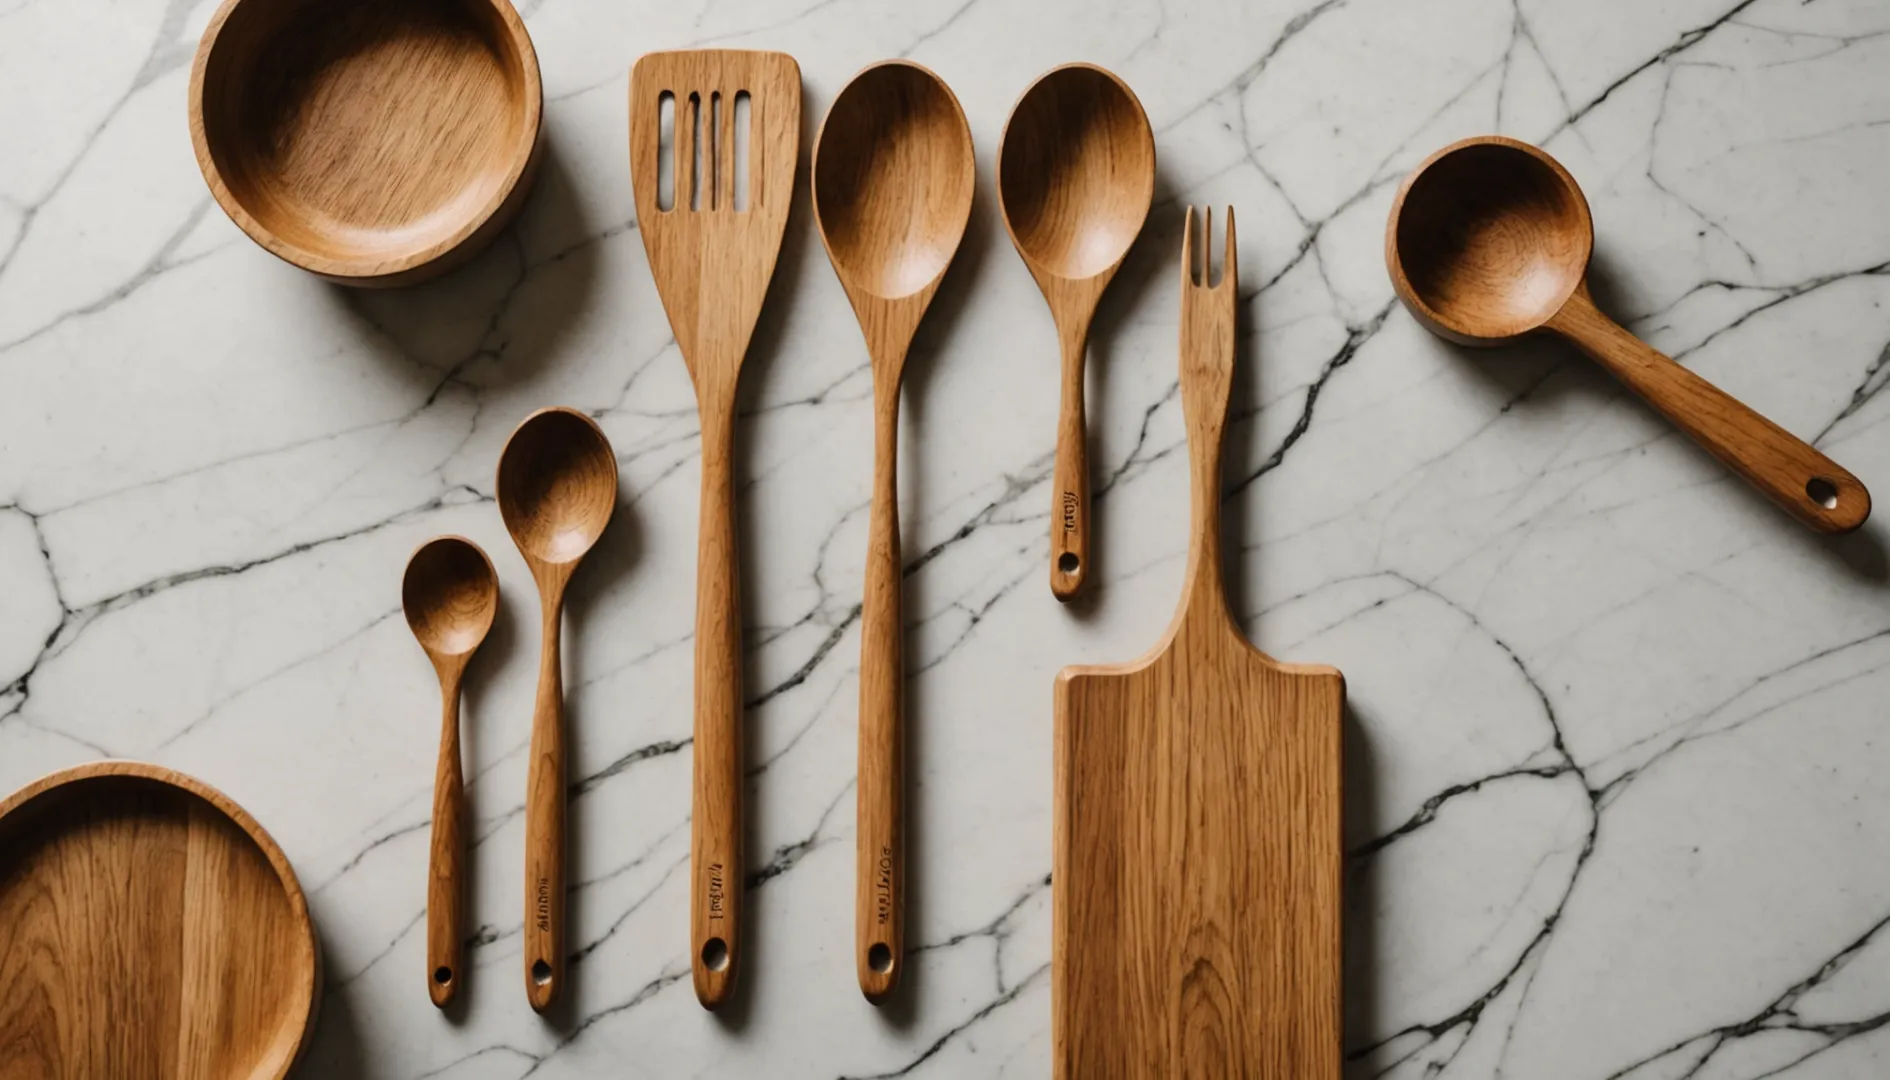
x=373, y=142
x=1076, y=171
x=893, y=161
x=557, y=485
x=450, y=594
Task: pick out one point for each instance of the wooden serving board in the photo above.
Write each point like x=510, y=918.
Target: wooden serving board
x=1197, y=876
x=149, y=928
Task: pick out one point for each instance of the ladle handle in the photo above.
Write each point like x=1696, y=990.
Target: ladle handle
x=1069, y=516
x=446, y=893
x=1806, y=484
x=544, y=817
x=715, y=853
x=880, y=870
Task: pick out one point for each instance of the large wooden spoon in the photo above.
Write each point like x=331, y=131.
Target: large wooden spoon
x=557, y=490
x=1489, y=241
x=450, y=593
x=893, y=178
x=1076, y=174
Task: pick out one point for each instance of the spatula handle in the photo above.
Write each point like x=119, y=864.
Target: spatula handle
x=1069, y=517
x=446, y=891
x=715, y=852
x=1803, y=482
x=544, y=817
x=880, y=872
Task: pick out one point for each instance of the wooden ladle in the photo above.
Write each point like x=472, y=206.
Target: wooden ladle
x=450, y=594
x=557, y=489
x=893, y=178
x=1076, y=174
x=1489, y=241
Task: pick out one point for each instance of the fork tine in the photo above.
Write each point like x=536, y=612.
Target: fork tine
x=1187, y=250
x=1230, y=262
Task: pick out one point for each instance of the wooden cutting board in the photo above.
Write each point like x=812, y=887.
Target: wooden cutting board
x=149, y=928
x=1197, y=876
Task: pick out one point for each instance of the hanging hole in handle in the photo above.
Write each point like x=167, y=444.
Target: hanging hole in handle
x=541, y=972
x=443, y=975
x=879, y=957
x=1822, y=491
x=1068, y=562
x=715, y=954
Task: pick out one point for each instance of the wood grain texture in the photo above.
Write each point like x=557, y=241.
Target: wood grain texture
x=713, y=257
x=149, y=928
x=371, y=143
x=557, y=489
x=450, y=594
x=1076, y=174
x=1489, y=240
x=1196, y=889
x=893, y=180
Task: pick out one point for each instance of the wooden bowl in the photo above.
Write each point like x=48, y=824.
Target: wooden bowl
x=373, y=142
x=150, y=928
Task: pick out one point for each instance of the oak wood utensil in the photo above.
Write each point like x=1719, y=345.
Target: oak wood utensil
x=1076, y=173
x=1197, y=835
x=1489, y=241
x=149, y=927
x=713, y=252
x=371, y=143
x=450, y=594
x=557, y=489
x=893, y=179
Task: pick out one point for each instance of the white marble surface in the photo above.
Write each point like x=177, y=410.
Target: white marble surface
x=1619, y=794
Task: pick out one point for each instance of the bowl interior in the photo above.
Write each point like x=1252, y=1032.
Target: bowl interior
x=368, y=136
x=1492, y=239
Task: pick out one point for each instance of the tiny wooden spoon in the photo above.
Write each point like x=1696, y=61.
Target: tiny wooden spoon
x=1489, y=240
x=450, y=594
x=1076, y=174
x=893, y=178
x=557, y=489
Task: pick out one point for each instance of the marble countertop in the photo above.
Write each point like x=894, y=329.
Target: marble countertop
x=1618, y=795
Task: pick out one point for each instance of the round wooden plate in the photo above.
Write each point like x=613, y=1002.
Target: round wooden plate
x=149, y=928
x=374, y=142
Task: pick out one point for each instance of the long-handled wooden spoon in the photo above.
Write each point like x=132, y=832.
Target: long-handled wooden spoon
x=1076, y=173
x=712, y=256
x=450, y=593
x=557, y=490
x=893, y=178
x=1489, y=240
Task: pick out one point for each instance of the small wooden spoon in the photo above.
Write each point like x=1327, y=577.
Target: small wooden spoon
x=450, y=594
x=1076, y=174
x=557, y=489
x=893, y=179
x=1489, y=240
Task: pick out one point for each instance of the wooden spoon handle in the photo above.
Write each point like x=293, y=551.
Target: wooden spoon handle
x=715, y=853
x=544, y=822
x=880, y=873
x=446, y=892
x=1806, y=484
x=1069, y=517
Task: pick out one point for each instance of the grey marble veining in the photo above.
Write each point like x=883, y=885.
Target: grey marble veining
x=1618, y=792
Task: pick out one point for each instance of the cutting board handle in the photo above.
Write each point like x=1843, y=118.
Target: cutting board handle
x=1207, y=382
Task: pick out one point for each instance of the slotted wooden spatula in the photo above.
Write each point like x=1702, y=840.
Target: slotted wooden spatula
x=1196, y=885
x=712, y=251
